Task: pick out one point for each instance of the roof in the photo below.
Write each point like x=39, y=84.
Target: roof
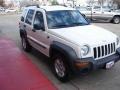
x=52, y=8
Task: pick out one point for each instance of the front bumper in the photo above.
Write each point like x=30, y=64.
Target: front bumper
x=100, y=63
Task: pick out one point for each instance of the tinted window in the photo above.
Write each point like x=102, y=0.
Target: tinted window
x=39, y=19
x=29, y=17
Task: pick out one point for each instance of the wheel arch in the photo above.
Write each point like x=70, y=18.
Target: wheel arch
x=67, y=51
x=115, y=16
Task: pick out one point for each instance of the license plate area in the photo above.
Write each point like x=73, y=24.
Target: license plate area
x=110, y=64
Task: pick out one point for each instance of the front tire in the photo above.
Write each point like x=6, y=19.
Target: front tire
x=116, y=20
x=60, y=68
x=25, y=44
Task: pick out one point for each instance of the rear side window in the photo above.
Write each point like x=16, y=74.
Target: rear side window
x=29, y=17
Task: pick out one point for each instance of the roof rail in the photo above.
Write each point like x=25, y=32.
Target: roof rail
x=33, y=5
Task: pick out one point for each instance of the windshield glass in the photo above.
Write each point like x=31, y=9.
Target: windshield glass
x=65, y=18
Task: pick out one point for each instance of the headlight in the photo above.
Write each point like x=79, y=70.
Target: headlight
x=118, y=40
x=85, y=50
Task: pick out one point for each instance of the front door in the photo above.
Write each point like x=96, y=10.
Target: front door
x=96, y=13
x=39, y=37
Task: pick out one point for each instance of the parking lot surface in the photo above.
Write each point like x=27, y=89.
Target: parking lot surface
x=96, y=80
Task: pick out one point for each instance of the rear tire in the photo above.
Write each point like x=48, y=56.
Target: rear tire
x=116, y=20
x=60, y=68
x=25, y=44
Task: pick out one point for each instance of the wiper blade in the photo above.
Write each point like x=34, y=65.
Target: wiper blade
x=61, y=25
x=77, y=23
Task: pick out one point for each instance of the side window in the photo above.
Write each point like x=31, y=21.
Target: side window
x=23, y=15
x=97, y=8
x=29, y=17
x=38, y=21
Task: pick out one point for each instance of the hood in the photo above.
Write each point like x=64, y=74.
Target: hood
x=88, y=34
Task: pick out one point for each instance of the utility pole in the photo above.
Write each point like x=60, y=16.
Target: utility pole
x=92, y=2
x=73, y=3
x=1, y=2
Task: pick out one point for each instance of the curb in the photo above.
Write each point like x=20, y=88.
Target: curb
x=1, y=14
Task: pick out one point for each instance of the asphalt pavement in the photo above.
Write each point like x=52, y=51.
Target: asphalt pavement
x=96, y=80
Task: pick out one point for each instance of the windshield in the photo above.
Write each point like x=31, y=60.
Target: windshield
x=65, y=18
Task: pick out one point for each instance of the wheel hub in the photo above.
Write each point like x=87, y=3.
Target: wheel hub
x=117, y=20
x=59, y=68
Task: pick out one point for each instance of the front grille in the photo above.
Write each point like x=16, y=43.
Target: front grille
x=104, y=50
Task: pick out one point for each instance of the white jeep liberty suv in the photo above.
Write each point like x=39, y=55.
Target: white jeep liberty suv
x=71, y=42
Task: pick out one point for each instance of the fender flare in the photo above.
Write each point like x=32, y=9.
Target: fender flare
x=69, y=53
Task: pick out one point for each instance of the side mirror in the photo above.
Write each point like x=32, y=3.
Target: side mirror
x=38, y=27
x=84, y=15
x=89, y=20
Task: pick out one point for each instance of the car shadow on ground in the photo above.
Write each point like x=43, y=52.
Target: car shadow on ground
x=41, y=58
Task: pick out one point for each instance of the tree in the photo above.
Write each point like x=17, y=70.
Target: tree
x=90, y=2
x=117, y=2
x=99, y=2
x=24, y=3
x=54, y=2
x=1, y=2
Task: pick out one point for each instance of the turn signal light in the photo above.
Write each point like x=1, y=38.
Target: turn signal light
x=82, y=64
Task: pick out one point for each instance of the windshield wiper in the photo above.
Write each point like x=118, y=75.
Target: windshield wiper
x=78, y=23
x=61, y=25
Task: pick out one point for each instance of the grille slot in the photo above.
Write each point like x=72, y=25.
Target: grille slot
x=95, y=53
x=104, y=50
